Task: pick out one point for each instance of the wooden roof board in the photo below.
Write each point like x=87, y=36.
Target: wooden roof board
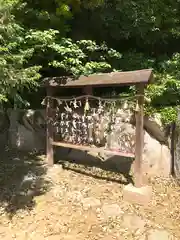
x=104, y=79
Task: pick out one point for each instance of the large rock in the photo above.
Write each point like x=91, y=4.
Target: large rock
x=22, y=135
x=133, y=222
x=13, y=129
x=112, y=210
x=4, y=127
x=159, y=234
x=140, y=195
x=153, y=126
x=156, y=157
x=91, y=202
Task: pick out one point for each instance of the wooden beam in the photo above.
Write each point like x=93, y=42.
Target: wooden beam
x=93, y=149
x=49, y=134
x=139, y=136
x=88, y=90
x=103, y=79
x=173, y=145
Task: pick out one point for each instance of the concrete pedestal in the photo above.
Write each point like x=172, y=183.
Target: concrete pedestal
x=140, y=195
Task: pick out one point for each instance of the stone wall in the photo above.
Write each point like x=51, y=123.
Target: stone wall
x=27, y=135
x=25, y=130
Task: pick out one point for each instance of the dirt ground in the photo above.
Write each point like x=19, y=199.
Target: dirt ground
x=73, y=201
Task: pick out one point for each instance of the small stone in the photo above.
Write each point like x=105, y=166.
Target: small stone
x=112, y=210
x=159, y=234
x=109, y=238
x=112, y=238
x=3, y=231
x=69, y=237
x=58, y=192
x=38, y=236
x=91, y=202
x=54, y=172
x=7, y=238
x=133, y=222
x=75, y=196
x=54, y=237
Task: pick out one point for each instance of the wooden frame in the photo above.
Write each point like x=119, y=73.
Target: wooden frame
x=49, y=130
x=139, y=135
x=138, y=78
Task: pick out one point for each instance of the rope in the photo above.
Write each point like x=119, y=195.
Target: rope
x=92, y=97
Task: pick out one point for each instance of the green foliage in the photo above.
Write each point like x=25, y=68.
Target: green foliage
x=29, y=54
x=52, y=14
x=164, y=93
x=168, y=115
x=14, y=74
x=82, y=57
x=62, y=56
x=166, y=90
x=74, y=37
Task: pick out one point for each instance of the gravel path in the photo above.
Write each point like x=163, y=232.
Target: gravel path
x=77, y=202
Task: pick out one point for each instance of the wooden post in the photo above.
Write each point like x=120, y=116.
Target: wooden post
x=173, y=143
x=139, y=136
x=49, y=135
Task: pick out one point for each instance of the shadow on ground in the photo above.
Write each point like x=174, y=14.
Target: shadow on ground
x=22, y=175
x=21, y=179
x=114, y=168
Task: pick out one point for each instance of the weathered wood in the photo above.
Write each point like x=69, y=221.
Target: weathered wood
x=176, y=141
x=88, y=90
x=49, y=134
x=93, y=149
x=139, y=78
x=173, y=143
x=139, y=136
x=103, y=79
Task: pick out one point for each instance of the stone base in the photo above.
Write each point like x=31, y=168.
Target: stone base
x=141, y=195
